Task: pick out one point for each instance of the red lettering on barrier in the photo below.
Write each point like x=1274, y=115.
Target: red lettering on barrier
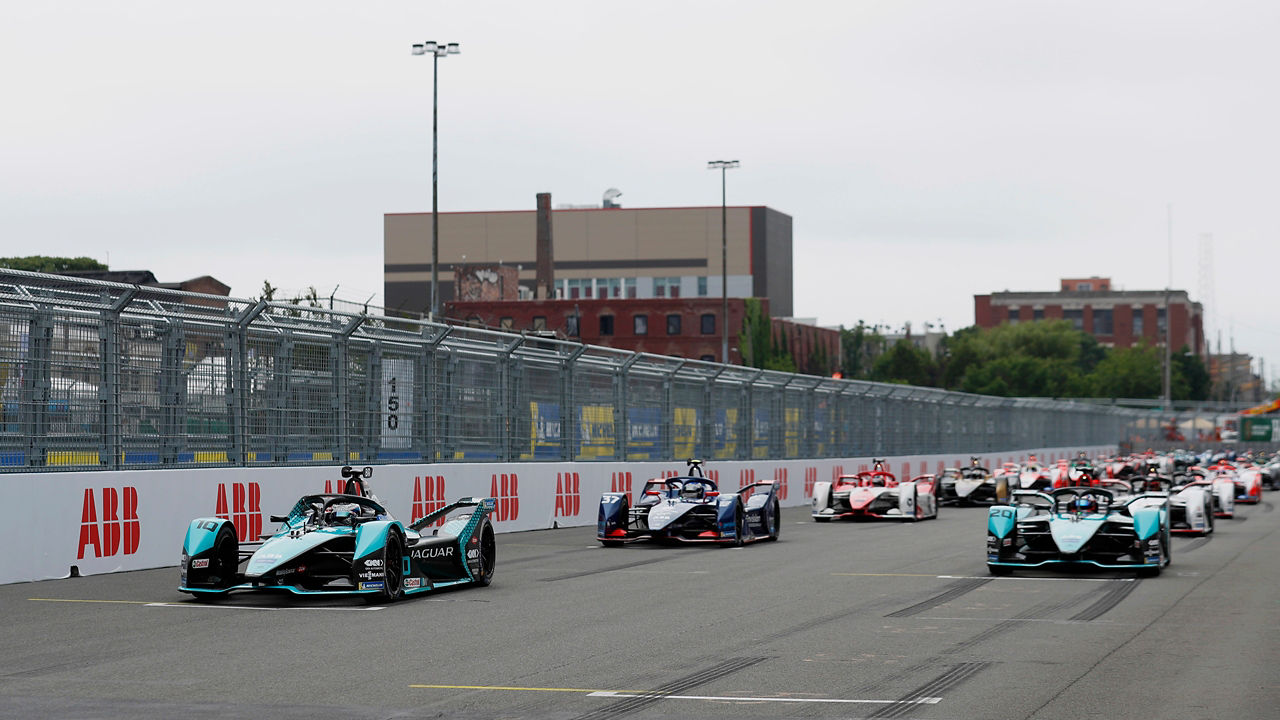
x=810, y=478
x=118, y=522
x=245, y=509
x=746, y=477
x=620, y=482
x=568, y=499
x=428, y=496
x=836, y=472
x=780, y=477
x=505, y=488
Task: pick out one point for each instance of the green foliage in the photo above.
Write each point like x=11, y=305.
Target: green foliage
x=268, y=291
x=40, y=263
x=757, y=344
x=906, y=364
x=860, y=346
x=1134, y=372
x=1190, y=377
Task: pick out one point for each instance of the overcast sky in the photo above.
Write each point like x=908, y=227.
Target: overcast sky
x=927, y=151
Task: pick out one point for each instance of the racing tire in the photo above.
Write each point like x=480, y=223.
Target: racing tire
x=737, y=529
x=1000, y=570
x=393, y=570
x=223, y=564
x=488, y=556
x=773, y=523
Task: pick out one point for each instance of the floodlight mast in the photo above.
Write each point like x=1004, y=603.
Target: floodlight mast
x=722, y=166
x=436, y=50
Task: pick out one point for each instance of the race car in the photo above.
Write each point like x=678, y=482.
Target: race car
x=1247, y=479
x=1221, y=489
x=343, y=544
x=1085, y=526
x=971, y=485
x=1033, y=476
x=876, y=493
x=690, y=508
x=1190, y=506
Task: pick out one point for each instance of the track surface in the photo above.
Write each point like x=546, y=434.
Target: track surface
x=833, y=621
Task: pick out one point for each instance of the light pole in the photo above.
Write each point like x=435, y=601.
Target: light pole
x=436, y=51
x=722, y=166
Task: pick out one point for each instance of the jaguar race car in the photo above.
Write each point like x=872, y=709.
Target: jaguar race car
x=1083, y=526
x=691, y=508
x=876, y=493
x=972, y=485
x=343, y=544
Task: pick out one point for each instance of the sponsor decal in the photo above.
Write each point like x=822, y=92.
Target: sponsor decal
x=780, y=479
x=244, y=509
x=200, y=563
x=473, y=553
x=373, y=562
x=371, y=586
x=428, y=496
x=412, y=583
x=432, y=552
x=506, y=488
x=745, y=477
x=119, y=530
x=810, y=479
x=568, y=497
x=369, y=575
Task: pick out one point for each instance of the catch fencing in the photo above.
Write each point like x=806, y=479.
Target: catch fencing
x=98, y=375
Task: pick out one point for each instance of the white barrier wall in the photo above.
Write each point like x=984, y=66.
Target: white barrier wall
x=104, y=522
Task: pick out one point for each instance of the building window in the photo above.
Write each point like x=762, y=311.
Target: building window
x=1076, y=317
x=1161, y=325
x=1037, y=314
x=608, y=287
x=571, y=325
x=1102, y=322
x=1137, y=321
x=560, y=289
x=539, y=322
x=708, y=324
x=666, y=287
x=1013, y=316
x=708, y=358
x=629, y=287
x=673, y=324
x=1084, y=287
x=641, y=324
x=506, y=323
x=606, y=325
x=702, y=286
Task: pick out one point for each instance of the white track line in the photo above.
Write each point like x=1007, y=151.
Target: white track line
x=730, y=698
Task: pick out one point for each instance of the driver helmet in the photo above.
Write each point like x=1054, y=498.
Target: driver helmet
x=1086, y=504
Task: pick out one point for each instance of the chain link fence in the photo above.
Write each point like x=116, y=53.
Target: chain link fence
x=100, y=375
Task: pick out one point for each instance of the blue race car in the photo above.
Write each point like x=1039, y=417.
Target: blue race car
x=1079, y=525
x=343, y=544
x=690, y=509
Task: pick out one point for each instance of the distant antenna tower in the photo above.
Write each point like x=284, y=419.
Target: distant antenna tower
x=1206, y=286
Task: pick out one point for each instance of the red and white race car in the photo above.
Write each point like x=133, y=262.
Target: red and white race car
x=1246, y=477
x=876, y=493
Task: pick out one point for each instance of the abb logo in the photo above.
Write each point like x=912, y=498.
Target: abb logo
x=670, y=474
x=506, y=489
x=119, y=521
x=245, y=509
x=330, y=490
x=746, y=477
x=620, y=482
x=428, y=497
x=810, y=478
x=906, y=472
x=780, y=479
x=568, y=500
x=836, y=472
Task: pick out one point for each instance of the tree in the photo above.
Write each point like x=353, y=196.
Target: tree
x=1133, y=372
x=268, y=291
x=40, y=263
x=1045, y=358
x=861, y=346
x=906, y=364
x=1191, y=379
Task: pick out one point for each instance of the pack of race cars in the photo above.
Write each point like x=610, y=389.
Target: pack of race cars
x=1111, y=513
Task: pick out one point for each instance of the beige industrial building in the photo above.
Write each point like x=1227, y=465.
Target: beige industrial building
x=598, y=253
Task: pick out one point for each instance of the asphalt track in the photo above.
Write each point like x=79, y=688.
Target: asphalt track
x=862, y=620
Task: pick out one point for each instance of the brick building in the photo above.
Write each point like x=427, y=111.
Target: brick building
x=1117, y=318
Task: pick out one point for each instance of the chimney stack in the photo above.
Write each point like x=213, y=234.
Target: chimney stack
x=544, y=281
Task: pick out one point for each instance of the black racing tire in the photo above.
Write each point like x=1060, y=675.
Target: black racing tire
x=1000, y=570
x=773, y=523
x=488, y=555
x=392, y=569
x=737, y=529
x=223, y=564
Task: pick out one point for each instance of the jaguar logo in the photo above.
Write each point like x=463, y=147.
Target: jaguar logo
x=432, y=552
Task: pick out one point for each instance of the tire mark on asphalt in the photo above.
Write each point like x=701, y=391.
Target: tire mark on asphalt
x=597, y=571
x=688, y=682
x=1194, y=544
x=948, y=680
x=1268, y=507
x=1043, y=611
x=1111, y=598
x=954, y=591
x=544, y=556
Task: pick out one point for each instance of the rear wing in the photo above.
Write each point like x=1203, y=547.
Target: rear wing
x=485, y=504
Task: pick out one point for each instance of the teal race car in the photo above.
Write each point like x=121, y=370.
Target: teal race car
x=1080, y=526
x=343, y=544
